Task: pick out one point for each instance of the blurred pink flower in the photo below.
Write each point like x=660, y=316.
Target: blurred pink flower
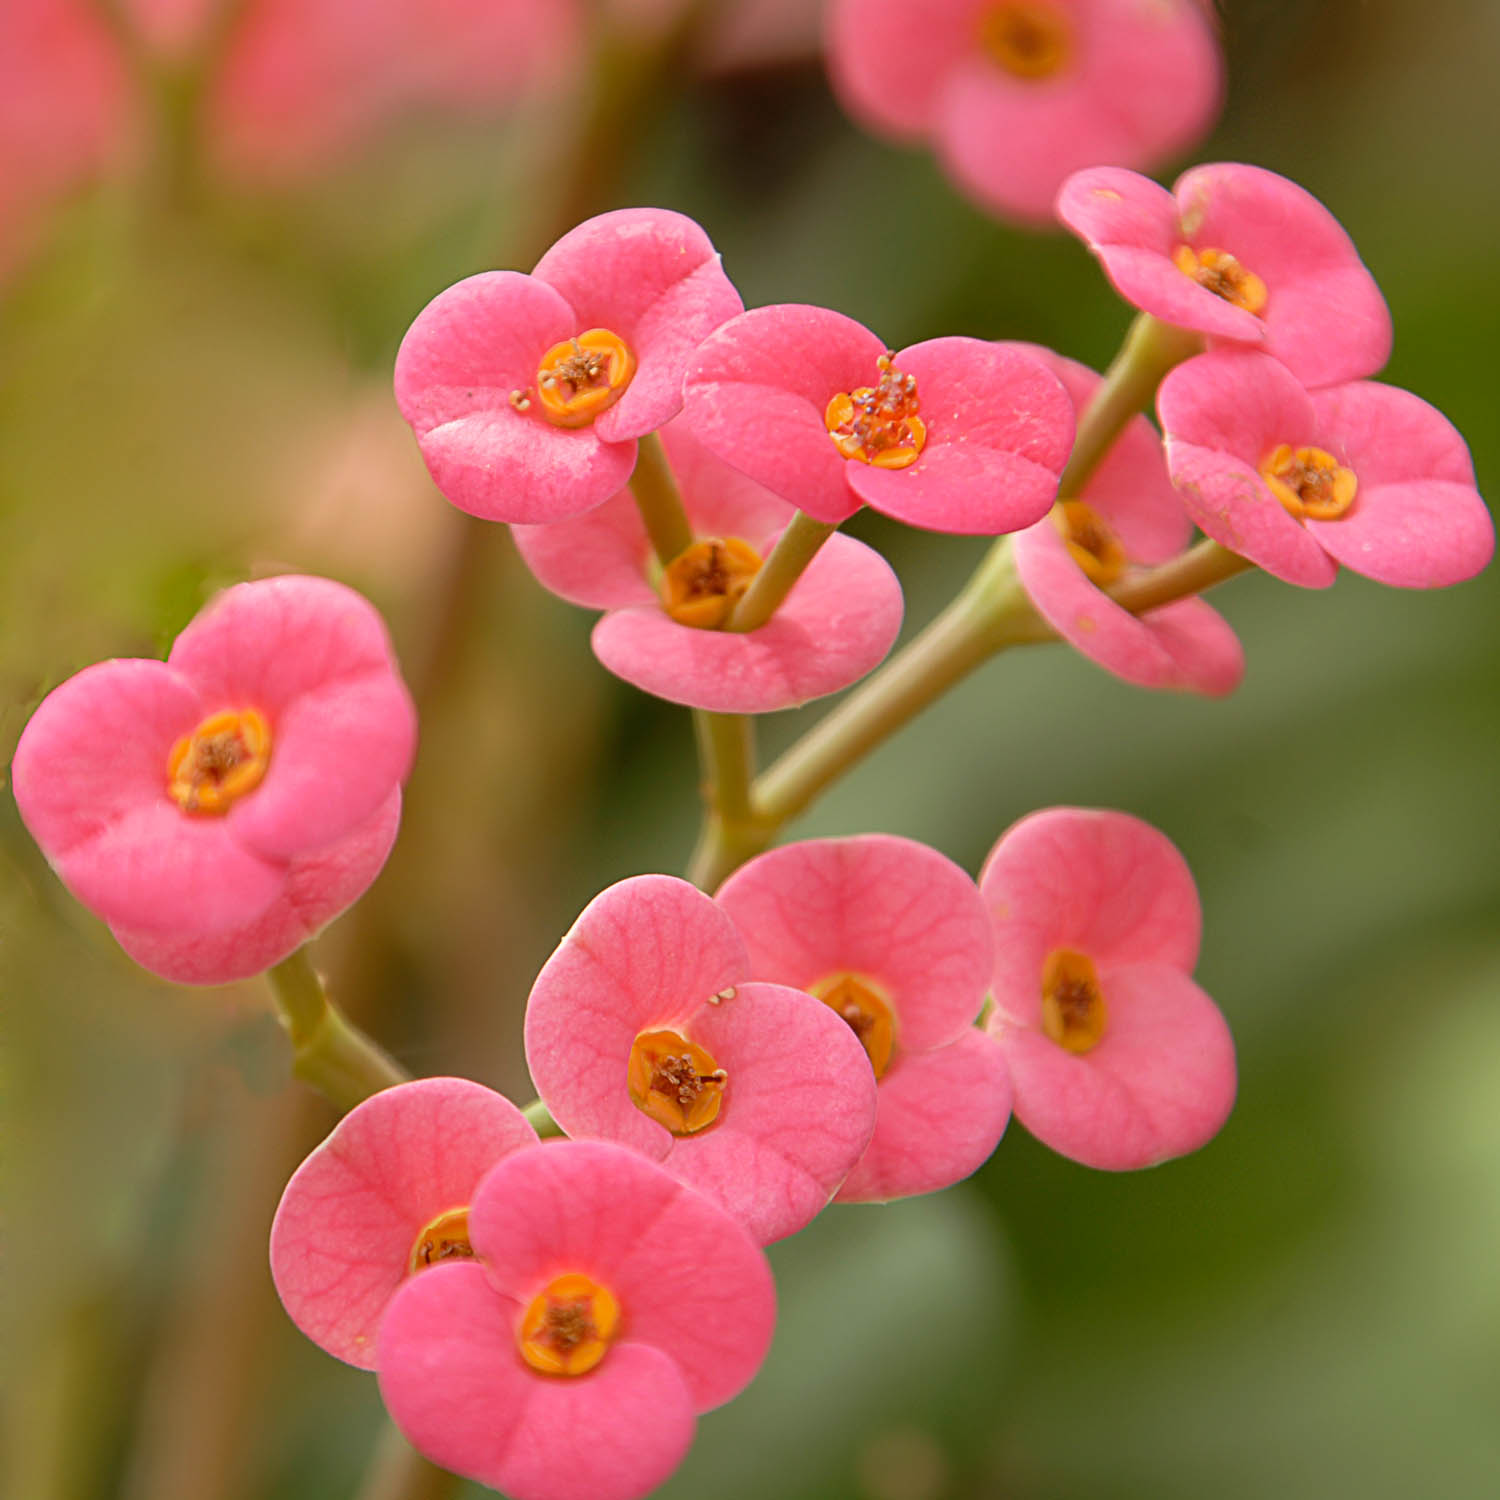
x=640, y=1029
x=836, y=624
x=896, y=940
x=954, y=434
x=527, y=393
x=1128, y=515
x=607, y=1307
x=1016, y=94
x=1362, y=474
x=1118, y=1059
x=384, y=1197
x=1241, y=254
x=199, y=804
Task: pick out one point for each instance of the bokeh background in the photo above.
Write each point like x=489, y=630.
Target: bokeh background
x=194, y=388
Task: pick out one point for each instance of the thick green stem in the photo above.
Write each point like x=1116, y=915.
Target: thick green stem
x=794, y=549
x=328, y=1052
x=730, y=831
x=541, y=1119
x=1197, y=569
x=658, y=501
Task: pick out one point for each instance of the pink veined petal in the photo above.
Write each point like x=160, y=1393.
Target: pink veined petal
x=1099, y=881
x=876, y=906
x=1388, y=435
x=941, y=1115
x=644, y=956
x=1202, y=644
x=266, y=643
x=719, y=500
x=1159, y=1084
x=96, y=750
x=336, y=754
x=999, y=430
x=757, y=391
x=1117, y=208
x=597, y=560
x=451, y=1378
x=317, y=888
x=837, y=623
x=1329, y=326
x=602, y=1209
x=351, y=1216
x=1417, y=534
x=889, y=61
x=798, y=1111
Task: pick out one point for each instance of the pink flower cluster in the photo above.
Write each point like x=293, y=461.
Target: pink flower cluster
x=538, y=1315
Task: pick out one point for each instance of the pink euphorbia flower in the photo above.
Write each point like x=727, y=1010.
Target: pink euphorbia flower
x=1362, y=474
x=1118, y=1059
x=1127, y=516
x=527, y=393
x=837, y=623
x=386, y=1196
x=893, y=938
x=1016, y=94
x=218, y=807
x=608, y=1306
x=954, y=434
x=641, y=1029
x=1240, y=254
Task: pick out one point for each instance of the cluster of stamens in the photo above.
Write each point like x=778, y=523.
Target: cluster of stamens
x=879, y=424
x=579, y=378
x=1074, y=1014
x=222, y=759
x=1221, y=273
x=567, y=1327
x=1309, y=482
x=675, y=1081
x=703, y=583
x=445, y=1238
x=868, y=1014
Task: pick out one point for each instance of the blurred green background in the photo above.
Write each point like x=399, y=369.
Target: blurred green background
x=194, y=389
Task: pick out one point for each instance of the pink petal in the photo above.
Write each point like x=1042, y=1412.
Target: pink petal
x=884, y=908
x=1102, y=882
x=644, y=955
x=453, y=1383
x=942, y=1114
x=1387, y=435
x=999, y=430
x=1159, y=1084
x=654, y=278
x=605, y=1210
x=756, y=394
x=598, y=560
x=889, y=61
x=1421, y=534
x=1202, y=644
x=343, y=1236
x=837, y=623
x=719, y=500
x=798, y=1110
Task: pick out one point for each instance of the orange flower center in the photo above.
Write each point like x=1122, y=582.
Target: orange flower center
x=703, y=583
x=1073, y=1011
x=221, y=760
x=867, y=1011
x=1093, y=546
x=580, y=378
x=1223, y=275
x=445, y=1238
x=878, y=424
x=1309, y=482
x=675, y=1081
x=1027, y=38
x=568, y=1325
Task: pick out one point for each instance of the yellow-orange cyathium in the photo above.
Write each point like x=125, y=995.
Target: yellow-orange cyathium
x=444, y=1238
x=867, y=1011
x=222, y=759
x=1074, y=1014
x=568, y=1325
x=879, y=424
x=1309, y=482
x=1026, y=38
x=583, y=376
x=1090, y=541
x=1220, y=273
x=675, y=1081
x=703, y=583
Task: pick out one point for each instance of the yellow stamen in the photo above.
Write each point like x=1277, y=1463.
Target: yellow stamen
x=1074, y=1014
x=568, y=1325
x=703, y=583
x=1309, y=482
x=1094, y=547
x=581, y=377
x=879, y=424
x=869, y=1014
x=222, y=759
x=1027, y=38
x=444, y=1238
x=675, y=1081
x=1223, y=275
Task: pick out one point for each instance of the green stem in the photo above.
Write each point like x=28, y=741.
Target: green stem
x=399, y=1472
x=1197, y=569
x=658, y=501
x=541, y=1119
x=730, y=831
x=328, y=1051
x=794, y=549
